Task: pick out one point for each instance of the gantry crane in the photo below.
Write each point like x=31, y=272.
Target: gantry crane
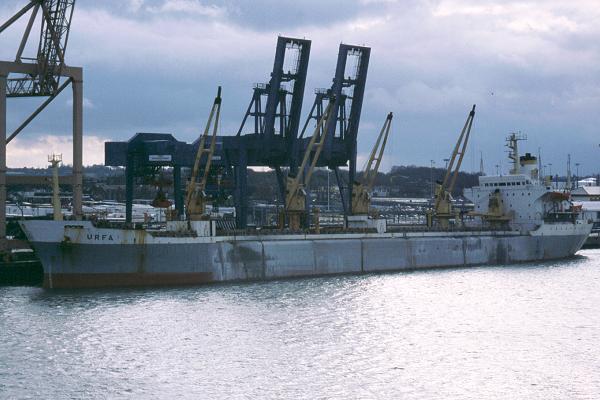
x=442, y=210
x=348, y=88
x=295, y=194
x=196, y=197
x=50, y=59
x=41, y=75
x=269, y=129
x=360, y=194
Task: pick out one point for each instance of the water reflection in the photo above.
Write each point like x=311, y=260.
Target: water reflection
x=523, y=331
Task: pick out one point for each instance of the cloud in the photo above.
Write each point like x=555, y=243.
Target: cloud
x=33, y=152
x=87, y=103
x=134, y=5
x=529, y=66
x=193, y=7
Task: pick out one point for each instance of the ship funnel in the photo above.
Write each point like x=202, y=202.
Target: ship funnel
x=529, y=166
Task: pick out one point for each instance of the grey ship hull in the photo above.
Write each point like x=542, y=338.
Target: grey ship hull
x=85, y=256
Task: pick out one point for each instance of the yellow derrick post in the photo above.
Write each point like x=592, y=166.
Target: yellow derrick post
x=196, y=197
x=442, y=210
x=361, y=197
x=295, y=195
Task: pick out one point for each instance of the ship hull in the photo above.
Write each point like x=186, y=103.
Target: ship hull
x=85, y=256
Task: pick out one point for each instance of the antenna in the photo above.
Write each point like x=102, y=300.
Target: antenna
x=513, y=150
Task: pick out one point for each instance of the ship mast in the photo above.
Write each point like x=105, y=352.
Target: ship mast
x=513, y=151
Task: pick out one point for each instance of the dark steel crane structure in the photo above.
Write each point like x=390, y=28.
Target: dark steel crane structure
x=269, y=132
x=266, y=137
x=276, y=119
x=347, y=91
x=41, y=76
x=144, y=154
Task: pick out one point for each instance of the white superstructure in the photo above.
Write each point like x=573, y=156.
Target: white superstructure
x=522, y=200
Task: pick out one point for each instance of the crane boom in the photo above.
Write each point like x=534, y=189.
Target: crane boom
x=56, y=16
x=459, y=151
x=295, y=195
x=360, y=192
x=195, y=199
x=442, y=210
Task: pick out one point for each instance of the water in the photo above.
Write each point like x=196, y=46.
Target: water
x=518, y=332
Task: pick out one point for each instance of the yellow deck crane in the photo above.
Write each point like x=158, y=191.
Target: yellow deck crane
x=443, y=211
x=361, y=198
x=196, y=197
x=295, y=195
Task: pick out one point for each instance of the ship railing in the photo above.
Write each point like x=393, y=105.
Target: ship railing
x=270, y=231
x=451, y=229
x=107, y=224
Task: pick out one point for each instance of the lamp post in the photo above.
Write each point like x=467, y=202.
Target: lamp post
x=328, y=187
x=432, y=163
x=577, y=175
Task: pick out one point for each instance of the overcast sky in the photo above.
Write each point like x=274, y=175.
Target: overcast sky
x=153, y=65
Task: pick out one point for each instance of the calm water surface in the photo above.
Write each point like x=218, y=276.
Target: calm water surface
x=516, y=332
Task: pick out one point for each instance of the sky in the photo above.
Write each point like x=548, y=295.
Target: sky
x=153, y=65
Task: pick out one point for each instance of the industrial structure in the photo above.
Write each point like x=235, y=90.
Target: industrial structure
x=45, y=75
x=269, y=134
x=347, y=91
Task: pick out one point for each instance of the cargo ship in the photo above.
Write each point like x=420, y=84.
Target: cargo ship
x=517, y=218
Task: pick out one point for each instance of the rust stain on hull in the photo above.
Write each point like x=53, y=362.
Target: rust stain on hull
x=75, y=281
